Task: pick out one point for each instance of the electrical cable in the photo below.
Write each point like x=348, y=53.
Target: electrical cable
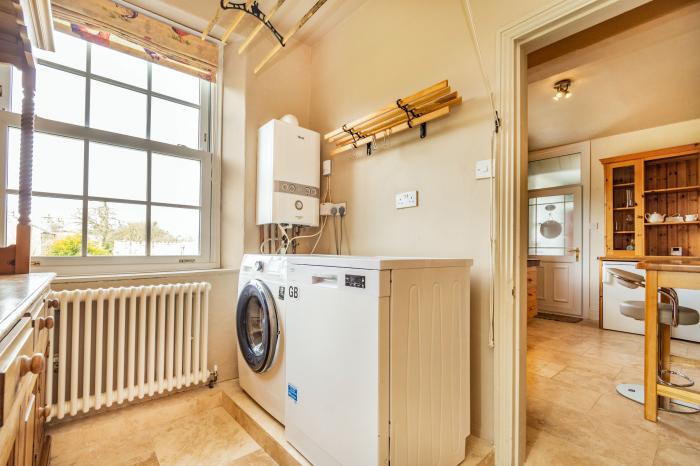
x=325, y=220
x=492, y=185
x=283, y=246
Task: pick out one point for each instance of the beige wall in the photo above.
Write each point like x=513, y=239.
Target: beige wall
x=391, y=48
x=676, y=134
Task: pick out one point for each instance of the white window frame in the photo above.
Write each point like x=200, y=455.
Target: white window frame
x=210, y=181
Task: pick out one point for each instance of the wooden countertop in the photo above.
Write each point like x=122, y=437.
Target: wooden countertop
x=646, y=258
x=671, y=265
x=17, y=293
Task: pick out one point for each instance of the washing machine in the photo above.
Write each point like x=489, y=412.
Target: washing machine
x=260, y=328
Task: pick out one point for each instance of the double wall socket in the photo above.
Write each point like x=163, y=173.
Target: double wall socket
x=327, y=207
x=406, y=200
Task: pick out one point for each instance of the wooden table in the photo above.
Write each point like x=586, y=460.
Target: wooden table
x=680, y=274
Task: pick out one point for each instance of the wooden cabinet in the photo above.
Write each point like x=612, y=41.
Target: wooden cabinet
x=531, y=290
x=662, y=181
x=23, y=356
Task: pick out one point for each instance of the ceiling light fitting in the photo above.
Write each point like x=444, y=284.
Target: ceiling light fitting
x=562, y=89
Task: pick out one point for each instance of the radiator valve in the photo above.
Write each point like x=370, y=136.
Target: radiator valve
x=213, y=377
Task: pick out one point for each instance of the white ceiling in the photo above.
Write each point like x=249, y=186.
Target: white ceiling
x=196, y=14
x=646, y=76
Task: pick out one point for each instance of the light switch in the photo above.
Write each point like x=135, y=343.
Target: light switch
x=484, y=169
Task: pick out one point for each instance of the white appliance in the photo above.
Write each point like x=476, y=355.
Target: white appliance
x=378, y=360
x=261, y=332
x=614, y=294
x=289, y=166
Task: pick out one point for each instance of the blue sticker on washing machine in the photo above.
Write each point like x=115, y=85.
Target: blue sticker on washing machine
x=292, y=392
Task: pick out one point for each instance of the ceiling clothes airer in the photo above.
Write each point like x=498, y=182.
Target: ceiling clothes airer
x=252, y=8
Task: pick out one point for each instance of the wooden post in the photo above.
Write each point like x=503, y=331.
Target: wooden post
x=651, y=350
x=24, y=229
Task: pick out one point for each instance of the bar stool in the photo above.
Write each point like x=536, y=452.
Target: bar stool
x=671, y=314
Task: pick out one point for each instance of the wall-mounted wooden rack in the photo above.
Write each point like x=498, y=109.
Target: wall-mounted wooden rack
x=409, y=112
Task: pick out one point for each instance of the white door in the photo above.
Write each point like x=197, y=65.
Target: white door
x=555, y=231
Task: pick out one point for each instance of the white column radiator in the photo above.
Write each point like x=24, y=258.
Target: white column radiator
x=111, y=345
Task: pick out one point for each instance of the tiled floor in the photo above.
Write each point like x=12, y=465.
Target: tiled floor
x=184, y=429
x=574, y=414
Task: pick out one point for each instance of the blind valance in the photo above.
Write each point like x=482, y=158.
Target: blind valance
x=109, y=24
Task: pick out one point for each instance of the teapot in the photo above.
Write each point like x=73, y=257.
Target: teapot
x=655, y=217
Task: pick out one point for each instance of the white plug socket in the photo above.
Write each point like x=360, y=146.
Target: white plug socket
x=407, y=199
x=327, y=207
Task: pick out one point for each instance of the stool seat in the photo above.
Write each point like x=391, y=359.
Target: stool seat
x=636, y=310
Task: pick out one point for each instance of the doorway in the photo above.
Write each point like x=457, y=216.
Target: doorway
x=554, y=240
x=549, y=25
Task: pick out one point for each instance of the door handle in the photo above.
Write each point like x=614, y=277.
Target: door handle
x=577, y=251
x=324, y=279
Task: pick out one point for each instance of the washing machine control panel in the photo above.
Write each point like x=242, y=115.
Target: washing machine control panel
x=355, y=281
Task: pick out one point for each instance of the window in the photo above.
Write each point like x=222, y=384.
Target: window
x=554, y=171
x=122, y=167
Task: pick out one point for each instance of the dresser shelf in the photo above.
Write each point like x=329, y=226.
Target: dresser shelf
x=665, y=181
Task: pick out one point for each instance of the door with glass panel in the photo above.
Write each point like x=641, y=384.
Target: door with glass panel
x=555, y=231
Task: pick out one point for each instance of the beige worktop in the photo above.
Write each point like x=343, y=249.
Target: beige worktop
x=17, y=294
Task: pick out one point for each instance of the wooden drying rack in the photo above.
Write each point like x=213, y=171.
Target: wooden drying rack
x=413, y=111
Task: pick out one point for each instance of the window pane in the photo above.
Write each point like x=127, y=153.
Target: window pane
x=117, y=172
x=58, y=163
x=174, y=231
x=117, y=109
x=173, y=83
x=70, y=51
x=551, y=225
x=56, y=225
x=118, y=66
x=175, y=180
x=116, y=229
x=174, y=123
x=59, y=95
x=555, y=171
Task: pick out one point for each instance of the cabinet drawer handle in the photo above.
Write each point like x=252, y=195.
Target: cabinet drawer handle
x=34, y=364
x=45, y=411
x=45, y=322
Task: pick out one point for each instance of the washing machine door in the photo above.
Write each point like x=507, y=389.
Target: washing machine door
x=257, y=325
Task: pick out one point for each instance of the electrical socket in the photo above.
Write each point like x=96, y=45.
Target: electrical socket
x=407, y=199
x=326, y=208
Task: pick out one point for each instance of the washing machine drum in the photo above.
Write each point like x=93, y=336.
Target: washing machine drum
x=257, y=326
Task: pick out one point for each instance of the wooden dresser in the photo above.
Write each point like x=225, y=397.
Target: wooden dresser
x=24, y=333
x=532, y=265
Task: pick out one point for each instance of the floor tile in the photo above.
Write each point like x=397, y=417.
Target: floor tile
x=574, y=413
x=211, y=438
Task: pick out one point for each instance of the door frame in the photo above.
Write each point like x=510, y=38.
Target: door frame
x=577, y=191
x=589, y=305
x=550, y=24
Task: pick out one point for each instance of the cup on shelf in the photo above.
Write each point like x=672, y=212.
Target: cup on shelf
x=691, y=217
x=674, y=218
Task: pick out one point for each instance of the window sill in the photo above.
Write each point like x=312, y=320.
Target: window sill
x=138, y=276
